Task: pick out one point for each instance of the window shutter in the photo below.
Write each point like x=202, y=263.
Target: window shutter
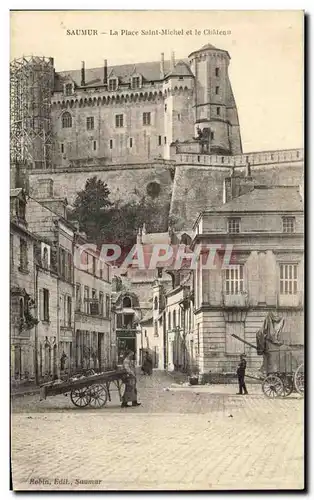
x=41, y=304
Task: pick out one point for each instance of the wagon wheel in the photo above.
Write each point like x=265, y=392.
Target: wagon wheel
x=98, y=394
x=80, y=397
x=287, y=381
x=272, y=386
x=299, y=379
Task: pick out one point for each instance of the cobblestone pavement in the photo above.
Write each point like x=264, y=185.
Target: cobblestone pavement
x=179, y=439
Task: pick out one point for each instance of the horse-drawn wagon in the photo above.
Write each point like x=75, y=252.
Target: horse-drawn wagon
x=87, y=389
x=283, y=364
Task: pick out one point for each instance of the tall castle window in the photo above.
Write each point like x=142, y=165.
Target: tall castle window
x=110, y=143
x=234, y=282
x=216, y=90
x=234, y=225
x=90, y=123
x=146, y=118
x=113, y=84
x=218, y=111
x=288, y=224
x=66, y=120
x=217, y=72
x=119, y=121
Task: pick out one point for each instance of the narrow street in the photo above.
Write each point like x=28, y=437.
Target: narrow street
x=179, y=438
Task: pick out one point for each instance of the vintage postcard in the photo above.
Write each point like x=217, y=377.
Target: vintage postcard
x=157, y=250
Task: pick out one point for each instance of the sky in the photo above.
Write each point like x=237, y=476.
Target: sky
x=266, y=49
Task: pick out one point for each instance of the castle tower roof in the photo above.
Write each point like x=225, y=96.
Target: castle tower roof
x=207, y=47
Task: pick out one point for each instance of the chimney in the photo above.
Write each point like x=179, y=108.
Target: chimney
x=83, y=74
x=139, y=237
x=173, y=60
x=162, y=65
x=105, y=72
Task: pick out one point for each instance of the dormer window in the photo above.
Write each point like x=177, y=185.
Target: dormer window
x=68, y=88
x=136, y=82
x=112, y=84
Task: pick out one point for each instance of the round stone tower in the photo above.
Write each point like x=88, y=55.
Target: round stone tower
x=215, y=112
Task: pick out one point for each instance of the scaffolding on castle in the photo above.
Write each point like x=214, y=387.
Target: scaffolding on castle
x=31, y=86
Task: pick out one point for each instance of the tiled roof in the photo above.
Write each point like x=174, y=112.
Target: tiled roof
x=266, y=199
x=181, y=69
x=94, y=76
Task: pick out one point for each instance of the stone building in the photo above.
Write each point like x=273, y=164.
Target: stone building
x=264, y=224
x=22, y=290
x=94, y=325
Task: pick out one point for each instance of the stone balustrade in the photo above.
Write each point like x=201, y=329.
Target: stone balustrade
x=257, y=158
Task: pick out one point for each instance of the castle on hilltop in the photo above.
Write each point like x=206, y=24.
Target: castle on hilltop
x=167, y=129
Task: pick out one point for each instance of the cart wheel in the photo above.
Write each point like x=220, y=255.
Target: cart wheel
x=98, y=394
x=272, y=386
x=287, y=385
x=80, y=397
x=299, y=379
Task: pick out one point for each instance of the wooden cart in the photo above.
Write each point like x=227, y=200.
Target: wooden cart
x=284, y=368
x=87, y=390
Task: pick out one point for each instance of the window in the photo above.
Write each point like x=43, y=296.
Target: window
x=90, y=123
x=216, y=71
x=165, y=140
x=127, y=303
x=136, y=82
x=216, y=90
x=66, y=120
x=94, y=145
x=179, y=117
x=233, y=345
x=119, y=121
x=86, y=300
x=69, y=310
x=68, y=89
x=218, y=111
x=45, y=258
x=212, y=135
x=23, y=255
x=78, y=297
x=288, y=279
x=62, y=148
x=46, y=304
x=113, y=84
x=94, y=266
x=288, y=224
x=107, y=306
x=131, y=142
x=198, y=341
x=146, y=118
x=169, y=321
x=11, y=249
x=110, y=144
x=234, y=226
x=234, y=283
x=93, y=294
x=101, y=303
x=174, y=320
x=159, y=140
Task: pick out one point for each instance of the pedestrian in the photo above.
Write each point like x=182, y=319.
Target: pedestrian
x=130, y=392
x=147, y=367
x=241, y=375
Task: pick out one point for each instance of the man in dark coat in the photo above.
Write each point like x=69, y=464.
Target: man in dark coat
x=241, y=375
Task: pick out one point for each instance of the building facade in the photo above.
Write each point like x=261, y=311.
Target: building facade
x=265, y=228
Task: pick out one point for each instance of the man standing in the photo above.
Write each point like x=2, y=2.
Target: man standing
x=241, y=375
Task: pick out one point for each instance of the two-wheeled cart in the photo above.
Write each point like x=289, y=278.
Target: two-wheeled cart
x=283, y=366
x=91, y=390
